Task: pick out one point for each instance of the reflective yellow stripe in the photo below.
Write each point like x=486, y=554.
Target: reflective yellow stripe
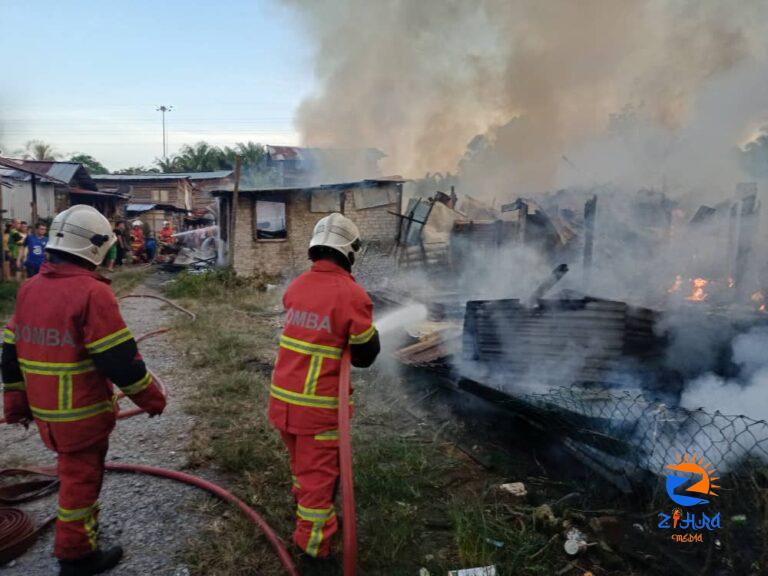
x=55, y=368
x=315, y=514
x=72, y=414
x=328, y=435
x=302, y=347
x=8, y=336
x=310, y=384
x=65, y=392
x=295, y=481
x=8, y=386
x=315, y=538
x=91, y=526
x=319, y=517
x=77, y=514
x=109, y=341
x=300, y=399
x=363, y=337
x=137, y=387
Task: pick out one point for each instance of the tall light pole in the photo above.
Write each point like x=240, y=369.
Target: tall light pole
x=164, y=109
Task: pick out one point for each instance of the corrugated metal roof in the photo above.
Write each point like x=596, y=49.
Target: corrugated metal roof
x=115, y=195
x=64, y=171
x=24, y=168
x=218, y=174
x=138, y=207
x=367, y=183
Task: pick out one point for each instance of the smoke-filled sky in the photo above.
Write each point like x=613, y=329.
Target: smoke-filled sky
x=640, y=92
x=631, y=90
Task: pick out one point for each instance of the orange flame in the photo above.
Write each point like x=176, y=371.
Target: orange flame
x=699, y=293
x=677, y=285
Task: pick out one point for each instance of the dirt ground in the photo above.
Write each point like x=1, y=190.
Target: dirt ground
x=153, y=519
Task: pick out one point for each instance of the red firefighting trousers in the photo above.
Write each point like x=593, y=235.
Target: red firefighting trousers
x=77, y=525
x=315, y=472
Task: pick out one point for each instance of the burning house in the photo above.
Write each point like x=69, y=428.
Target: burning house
x=662, y=312
x=295, y=166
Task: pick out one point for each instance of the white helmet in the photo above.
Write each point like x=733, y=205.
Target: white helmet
x=83, y=232
x=337, y=232
x=137, y=223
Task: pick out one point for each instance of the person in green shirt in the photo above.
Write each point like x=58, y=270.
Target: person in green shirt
x=15, y=238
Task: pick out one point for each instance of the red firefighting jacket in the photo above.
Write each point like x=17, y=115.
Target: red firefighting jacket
x=137, y=240
x=326, y=310
x=65, y=337
x=166, y=235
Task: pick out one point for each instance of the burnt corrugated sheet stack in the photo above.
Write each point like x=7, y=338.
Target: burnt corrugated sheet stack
x=585, y=340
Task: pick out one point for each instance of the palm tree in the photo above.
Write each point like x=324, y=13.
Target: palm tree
x=39, y=150
x=168, y=164
x=91, y=164
x=200, y=157
x=137, y=170
x=252, y=154
x=204, y=157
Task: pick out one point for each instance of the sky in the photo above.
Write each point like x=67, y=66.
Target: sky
x=87, y=76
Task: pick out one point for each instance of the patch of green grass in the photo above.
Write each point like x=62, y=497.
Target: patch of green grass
x=405, y=485
x=211, y=284
x=488, y=533
x=398, y=483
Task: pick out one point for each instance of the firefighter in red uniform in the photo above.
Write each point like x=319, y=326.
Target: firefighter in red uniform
x=62, y=351
x=325, y=312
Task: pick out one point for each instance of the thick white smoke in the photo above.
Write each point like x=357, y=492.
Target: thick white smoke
x=651, y=91
x=744, y=394
x=524, y=97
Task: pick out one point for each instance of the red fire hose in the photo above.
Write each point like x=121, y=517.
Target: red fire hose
x=345, y=458
x=16, y=530
x=218, y=491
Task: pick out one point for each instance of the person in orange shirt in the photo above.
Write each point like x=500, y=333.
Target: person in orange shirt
x=166, y=233
x=137, y=241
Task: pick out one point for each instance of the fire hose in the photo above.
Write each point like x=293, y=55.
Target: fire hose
x=17, y=533
x=349, y=528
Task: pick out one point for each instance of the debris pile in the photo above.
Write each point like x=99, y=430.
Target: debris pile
x=599, y=341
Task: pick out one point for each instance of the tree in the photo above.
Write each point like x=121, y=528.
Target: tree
x=200, y=157
x=253, y=154
x=167, y=164
x=91, y=164
x=137, y=170
x=39, y=150
x=205, y=157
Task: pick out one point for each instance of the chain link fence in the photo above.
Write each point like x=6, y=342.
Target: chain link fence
x=625, y=430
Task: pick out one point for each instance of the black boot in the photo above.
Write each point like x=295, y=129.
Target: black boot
x=326, y=566
x=95, y=563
